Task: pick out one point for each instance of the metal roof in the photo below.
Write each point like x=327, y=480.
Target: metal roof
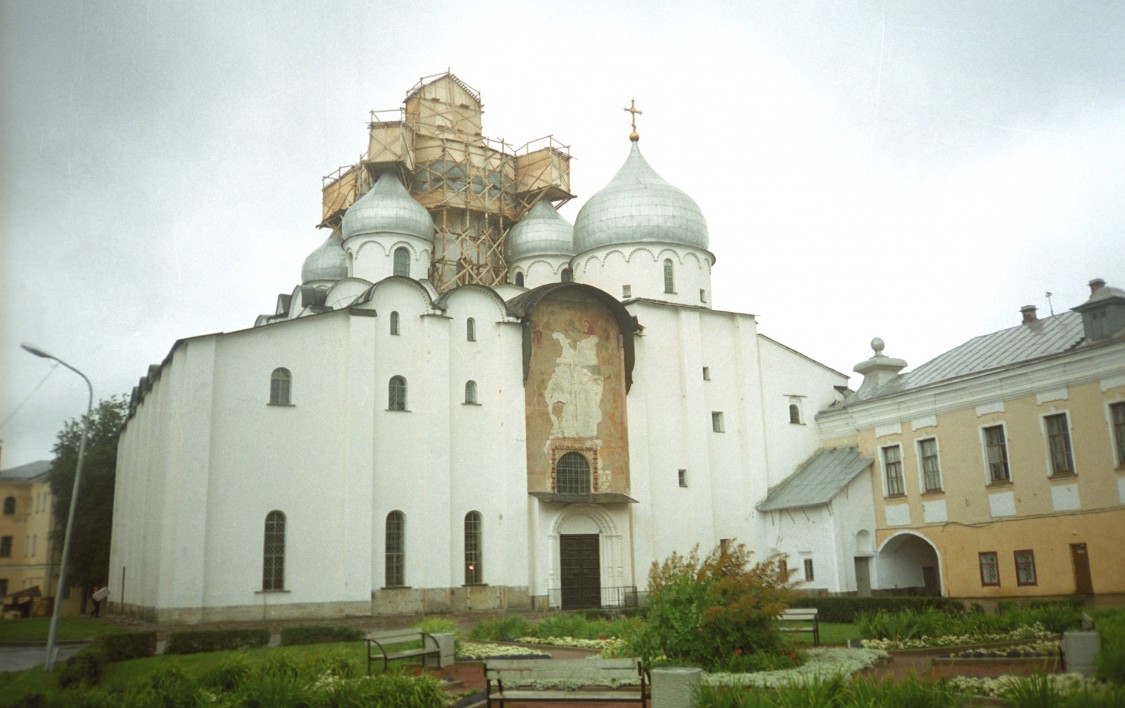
x=1045, y=337
x=27, y=471
x=818, y=479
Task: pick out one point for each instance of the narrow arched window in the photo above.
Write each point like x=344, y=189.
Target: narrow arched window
x=519, y=280
x=402, y=261
x=471, y=330
x=567, y=275
x=470, y=392
x=395, y=550
x=280, y=383
x=794, y=414
x=473, y=549
x=669, y=276
x=9, y=506
x=273, y=555
x=572, y=474
x=394, y=323
x=396, y=394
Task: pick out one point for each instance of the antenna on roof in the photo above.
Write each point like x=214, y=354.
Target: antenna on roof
x=1050, y=306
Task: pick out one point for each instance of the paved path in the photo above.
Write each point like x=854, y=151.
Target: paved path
x=22, y=658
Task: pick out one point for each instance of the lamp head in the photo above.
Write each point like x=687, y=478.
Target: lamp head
x=31, y=348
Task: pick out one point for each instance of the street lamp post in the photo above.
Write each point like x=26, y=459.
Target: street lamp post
x=49, y=663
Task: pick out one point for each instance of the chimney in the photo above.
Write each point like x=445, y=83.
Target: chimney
x=1095, y=285
x=1028, y=312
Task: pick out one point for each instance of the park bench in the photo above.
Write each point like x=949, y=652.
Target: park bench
x=578, y=680
x=805, y=620
x=394, y=644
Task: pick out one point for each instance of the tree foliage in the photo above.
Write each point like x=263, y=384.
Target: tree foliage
x=705, y=611
x=89, y=543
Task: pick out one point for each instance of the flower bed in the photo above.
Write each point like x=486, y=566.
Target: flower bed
x=478, y=651
x=821, y=664
x=1028, y=633
x=1040, y=649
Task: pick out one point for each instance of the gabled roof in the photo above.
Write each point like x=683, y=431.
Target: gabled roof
x=1045, y=337
x=818, y=479
x=27, y=471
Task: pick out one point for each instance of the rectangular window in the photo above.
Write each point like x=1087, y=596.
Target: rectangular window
x=702, y=295
x=783, y=565
x=808, y=570
x=892, y=470
x=989, y=568
x=996, y=454
x=1058, y=442
x=3, y=586
x=682, y=474
x=717, y=422
x=931, y=470
x=1117, y=412
x=707, y=373
x=5, y=546
x=1025, y=568
x=626, y=291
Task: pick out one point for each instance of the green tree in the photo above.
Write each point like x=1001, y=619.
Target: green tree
x=93, y=518
x=706, y=610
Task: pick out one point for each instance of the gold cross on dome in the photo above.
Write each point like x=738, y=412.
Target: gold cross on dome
x=634, y=136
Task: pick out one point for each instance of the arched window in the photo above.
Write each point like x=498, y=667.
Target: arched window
x=394, y=323
x=280, y=381
x=9, y=506
x=396, y=394
x=396, y=550
x=572, y=474
x=473, y=549
x=794, y=414
x=669, y=276
x=519, y=279
x=402, y=261
x=567, y=275
x=273, y=555
x=471, y=330
x=470, y=392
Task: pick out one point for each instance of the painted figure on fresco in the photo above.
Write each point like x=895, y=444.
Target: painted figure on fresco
x=574, y=391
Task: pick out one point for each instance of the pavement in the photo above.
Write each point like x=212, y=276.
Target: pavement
x=22, y=657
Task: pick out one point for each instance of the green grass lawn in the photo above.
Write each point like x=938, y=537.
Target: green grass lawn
x=830, y=633
x=34, y=629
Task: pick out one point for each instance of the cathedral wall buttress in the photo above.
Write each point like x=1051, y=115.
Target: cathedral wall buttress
x=575, y=393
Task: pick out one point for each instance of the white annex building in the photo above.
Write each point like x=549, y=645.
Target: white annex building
x=470, y=404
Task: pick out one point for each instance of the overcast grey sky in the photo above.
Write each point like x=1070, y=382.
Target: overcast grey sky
x=910, y=170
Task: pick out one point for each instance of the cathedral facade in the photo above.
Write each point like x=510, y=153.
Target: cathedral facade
x=461, y=409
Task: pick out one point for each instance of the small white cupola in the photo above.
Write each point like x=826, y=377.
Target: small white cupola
x=877, y=371
x=539, y=247
x=387, y=232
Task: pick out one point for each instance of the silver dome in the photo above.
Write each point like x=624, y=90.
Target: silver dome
x=638, y=206
x=541, y=232
x=329, y=262
x=388, y=208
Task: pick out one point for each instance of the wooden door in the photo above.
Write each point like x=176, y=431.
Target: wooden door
x=863, y=576
x=1083, y=583
x=581, y=571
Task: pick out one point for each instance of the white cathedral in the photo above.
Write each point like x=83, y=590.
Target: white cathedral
x=469, y=404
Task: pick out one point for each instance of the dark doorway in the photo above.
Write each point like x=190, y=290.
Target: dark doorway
x=1083, y=583
x=581, y=571
x=930, y=580
x=863, y=576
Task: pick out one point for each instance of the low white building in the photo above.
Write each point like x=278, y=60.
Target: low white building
x=377, y=446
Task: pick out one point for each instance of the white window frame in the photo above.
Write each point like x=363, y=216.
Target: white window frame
x=887, y=492
x=1068, y=441
x=922, y=464
x=988, y=480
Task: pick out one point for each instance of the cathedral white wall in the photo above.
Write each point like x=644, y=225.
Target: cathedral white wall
x=539, y=270
x=371, y=257
x=641, y=268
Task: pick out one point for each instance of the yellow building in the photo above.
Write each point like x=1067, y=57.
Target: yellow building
x=27, y=556
x=1000, y=465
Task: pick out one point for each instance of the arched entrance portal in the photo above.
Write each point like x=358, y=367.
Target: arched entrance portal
x=907, y=561
x=587, y=555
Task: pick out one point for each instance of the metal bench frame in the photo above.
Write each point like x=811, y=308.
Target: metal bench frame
x=806, y=617
x=380, y=645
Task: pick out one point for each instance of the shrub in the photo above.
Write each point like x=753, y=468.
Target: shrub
x=292, y=636
x=500, y=629
x=845, y=609
x=267, y=690
x=1111, y=658
x=216, y=640
x=705, y=610
x=172, y=688
x=84, y=668
x=123, y=647
x=226, y=676
x=438, y=625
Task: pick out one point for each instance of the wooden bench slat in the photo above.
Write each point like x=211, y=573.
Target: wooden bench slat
x=598, y=675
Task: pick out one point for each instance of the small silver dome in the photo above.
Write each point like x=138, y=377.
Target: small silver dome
x=329, y=262
x=638, y=206
x=388, y=208
x=541, y=232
